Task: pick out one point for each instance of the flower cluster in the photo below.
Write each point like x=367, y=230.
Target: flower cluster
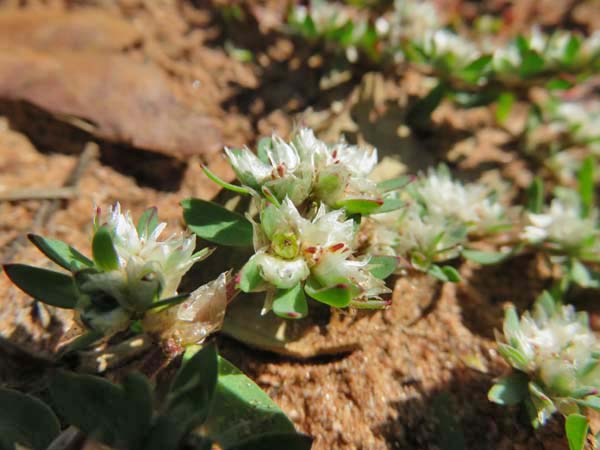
x=555, y=359
x=308, y=170
x=295, y=255
x=133, y=270
x=133, y=276
x=441, y=215
x=564, y=227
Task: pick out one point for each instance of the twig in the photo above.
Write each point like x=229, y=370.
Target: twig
x=38, y=194
x=49, y=207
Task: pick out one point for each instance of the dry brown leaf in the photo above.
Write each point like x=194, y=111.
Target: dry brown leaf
x=51, y=30
x=110, y=96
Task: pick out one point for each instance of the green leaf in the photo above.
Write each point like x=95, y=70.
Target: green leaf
x=361, y=206
x=103, y=249
x=390, y=204
x=509, y=390
x=504, y=106
x=475, y=70
x=216, y=224
x=148, y=222
x=535, y=196
x=394, y=183
x=383, y=266
x=338, y=296
x=576, y=428
x=26, y=420
x=586, y=186
x=571, y=50
x=485, y=258
x=50, y=287
x=531, y=64
x=558, y=84
x=102, y=410
x=290, y=303
x=419, y=114
x=224, y=184
x=61, y=253
x=250, y=279
x=445, y=273
x=192, y=391
x=451, y=274
x=241, y=410
x=275, y=441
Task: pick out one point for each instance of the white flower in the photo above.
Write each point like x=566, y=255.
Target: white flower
x=470, y=204
x=169, y=259
x=561, y=224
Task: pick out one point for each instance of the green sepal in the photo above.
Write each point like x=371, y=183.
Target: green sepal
x=290, y=303
x=250, y=279
x=103, y=249
x=338, y=296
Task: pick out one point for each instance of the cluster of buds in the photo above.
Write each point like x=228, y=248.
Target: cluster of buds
x=133, y=276
x=555, y=359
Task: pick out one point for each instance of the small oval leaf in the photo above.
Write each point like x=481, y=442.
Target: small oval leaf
x=26, y=420
x=50, y=287
x=217, y=224
x=61, y=253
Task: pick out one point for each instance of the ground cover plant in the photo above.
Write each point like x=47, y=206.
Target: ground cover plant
x=378, y=227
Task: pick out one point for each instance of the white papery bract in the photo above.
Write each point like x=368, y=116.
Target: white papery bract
x=308, y=169
x=190, y=322
x=169, y=259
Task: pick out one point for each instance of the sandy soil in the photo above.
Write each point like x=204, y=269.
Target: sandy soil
x=423, y=367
